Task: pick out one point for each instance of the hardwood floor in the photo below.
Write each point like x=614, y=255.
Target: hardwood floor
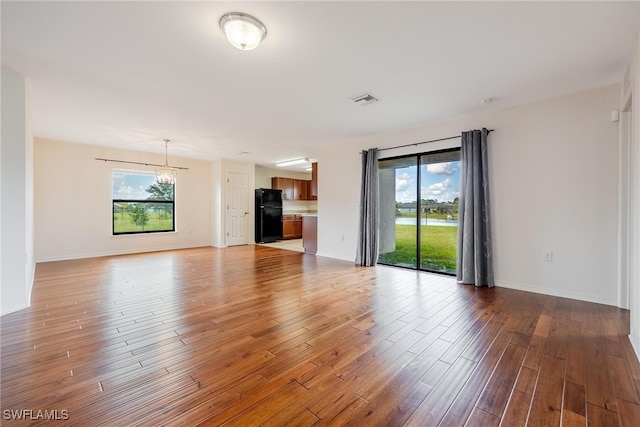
x=253, y=335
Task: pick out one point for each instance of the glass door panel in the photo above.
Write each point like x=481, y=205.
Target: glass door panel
x=398, y=179
x=439, y=192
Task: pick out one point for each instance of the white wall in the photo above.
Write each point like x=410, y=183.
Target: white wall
x=73, y=202
x=553, y=183
x=339, y=201
x=630, y=191
x=16, y=193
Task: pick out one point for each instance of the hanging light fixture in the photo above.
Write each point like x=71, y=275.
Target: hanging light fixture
x=166, y=175
x=243, y=31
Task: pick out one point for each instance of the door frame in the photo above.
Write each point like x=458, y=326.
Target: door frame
x=418, y=156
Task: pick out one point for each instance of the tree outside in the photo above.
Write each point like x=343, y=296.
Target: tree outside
x=139, y=216
x=160, y=192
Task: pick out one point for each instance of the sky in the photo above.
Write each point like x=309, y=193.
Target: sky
x=131, y=185
x=440, y=181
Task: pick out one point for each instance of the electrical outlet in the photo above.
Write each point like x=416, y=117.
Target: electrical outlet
x=547, y=255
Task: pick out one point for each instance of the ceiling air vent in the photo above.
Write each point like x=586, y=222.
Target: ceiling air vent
x=365, y=99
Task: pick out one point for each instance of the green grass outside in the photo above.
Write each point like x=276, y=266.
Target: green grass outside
x=122, y=223
x=438, y=247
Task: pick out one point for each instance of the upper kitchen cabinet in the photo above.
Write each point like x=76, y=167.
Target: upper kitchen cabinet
x=313, y=185
x=300, y=189
x=284, y=184
x=292, y=189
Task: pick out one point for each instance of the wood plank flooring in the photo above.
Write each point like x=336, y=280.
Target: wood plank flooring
x=253, y=335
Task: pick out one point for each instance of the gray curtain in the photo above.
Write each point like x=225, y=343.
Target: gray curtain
x=475, y=258
x=368, y=225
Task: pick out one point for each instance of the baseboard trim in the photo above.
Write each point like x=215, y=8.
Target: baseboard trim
x=334, y=256
x=119, y=252
x=14, y=309
x=556, y=293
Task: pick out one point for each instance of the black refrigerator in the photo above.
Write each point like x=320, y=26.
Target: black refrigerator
x=268, y=215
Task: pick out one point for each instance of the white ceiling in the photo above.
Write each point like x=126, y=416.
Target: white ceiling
x=128, y=74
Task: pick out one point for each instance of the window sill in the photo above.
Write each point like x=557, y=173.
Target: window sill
x=138, y=235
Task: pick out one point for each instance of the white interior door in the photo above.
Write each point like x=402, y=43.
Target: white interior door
x=237, y=208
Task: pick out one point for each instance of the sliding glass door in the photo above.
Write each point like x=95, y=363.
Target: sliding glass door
x=419, y=211
x=398, y=232
x=439, y=190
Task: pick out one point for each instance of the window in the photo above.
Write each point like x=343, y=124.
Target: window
x=420, y=189
x=140, y=204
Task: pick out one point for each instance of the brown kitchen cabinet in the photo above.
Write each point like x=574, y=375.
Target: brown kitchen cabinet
x=288, y=227
x=292, y=189
x=297, y=227
x=291, y=226
x=284, y=184
x=301, y=189
x=313, y=184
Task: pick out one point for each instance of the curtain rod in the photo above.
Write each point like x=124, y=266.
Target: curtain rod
x=137, y=163
x=426, y=142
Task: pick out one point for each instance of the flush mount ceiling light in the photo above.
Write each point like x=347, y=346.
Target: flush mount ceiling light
x=292, y=162
x=166, y=174
x=243, y=31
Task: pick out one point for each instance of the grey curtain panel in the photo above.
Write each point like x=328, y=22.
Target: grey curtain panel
x=475, y=258
x=367, y=253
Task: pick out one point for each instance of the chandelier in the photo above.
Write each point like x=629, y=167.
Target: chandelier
x=166, y=175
